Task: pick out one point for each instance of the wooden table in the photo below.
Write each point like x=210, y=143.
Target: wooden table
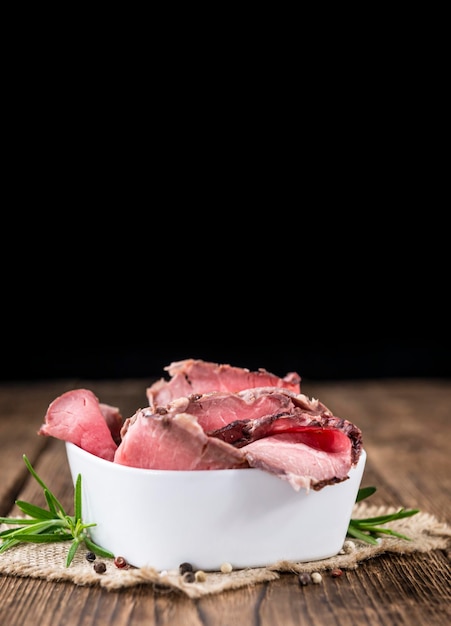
x=406, y=426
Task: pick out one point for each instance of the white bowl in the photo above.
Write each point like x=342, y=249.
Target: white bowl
x=245, y=517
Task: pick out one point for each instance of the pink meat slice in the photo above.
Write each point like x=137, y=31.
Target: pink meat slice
x=193, y=376
x=173, y=442
x=309, y=459
x=299, y=440
x=243, y=417
x=78, y=417
x=244, y=432
x=217, y=409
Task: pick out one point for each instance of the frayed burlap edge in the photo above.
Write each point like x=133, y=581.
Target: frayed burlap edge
x=47, y=561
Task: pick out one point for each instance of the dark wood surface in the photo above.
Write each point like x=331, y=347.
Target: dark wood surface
x=406, y=426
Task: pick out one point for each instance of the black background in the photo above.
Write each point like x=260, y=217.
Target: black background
x=340, y=297
x=321, y=246
x=76, y=334
x=333, y=359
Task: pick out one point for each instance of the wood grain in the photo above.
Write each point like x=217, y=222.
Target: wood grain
x=407, y=430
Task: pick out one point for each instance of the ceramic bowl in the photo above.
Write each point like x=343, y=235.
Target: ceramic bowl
x=245, y=517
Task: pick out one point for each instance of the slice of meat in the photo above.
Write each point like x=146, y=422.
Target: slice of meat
x=194, y=376
x=309, y=459
x=78, y=417
x=300, y=420
x=173, y=442
x=217, y=409
x=283, y=433
x=243, y=417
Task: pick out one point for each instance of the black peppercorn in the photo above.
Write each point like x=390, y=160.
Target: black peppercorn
x=185, y=567
x=90, y=556
x=100, y=567
x=189, y=577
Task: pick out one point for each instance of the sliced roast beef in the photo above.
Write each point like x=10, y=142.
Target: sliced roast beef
x=193, y=376
x=284, y=433
x=173, y=441
x=295, y=437
x=292, y=457
x=217, y=409
x=243, y=417
x=210, y=416
x=241, y=433
x=77, y=416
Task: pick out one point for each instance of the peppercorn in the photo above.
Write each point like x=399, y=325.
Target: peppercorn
x=189, y=576
x=120, y=562
x=348, y=547
x=226, y=568
x=100, y=567
x=335, y=573
x=185, y=567
x=316, y=578
x=90, y=556
x=305, y=579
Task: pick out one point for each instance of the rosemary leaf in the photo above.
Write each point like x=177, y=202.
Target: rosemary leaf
x=16, y=520
x=383, y=519
x=355, y=532
x=44, y=538
x=35, y=528
x=34, y=511
x=9, y=543
x=365, y=492
x=72, y=550
x=98, y=549
x=77, y=497
x=54, y=504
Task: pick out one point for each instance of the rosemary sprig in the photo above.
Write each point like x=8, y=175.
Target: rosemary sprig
x=369, y=528
x=50, y=525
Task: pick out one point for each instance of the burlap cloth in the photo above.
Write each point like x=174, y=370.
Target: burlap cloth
x=47, y=561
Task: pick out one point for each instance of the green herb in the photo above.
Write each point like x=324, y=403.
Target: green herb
x=50, y=525
x=369, y=529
